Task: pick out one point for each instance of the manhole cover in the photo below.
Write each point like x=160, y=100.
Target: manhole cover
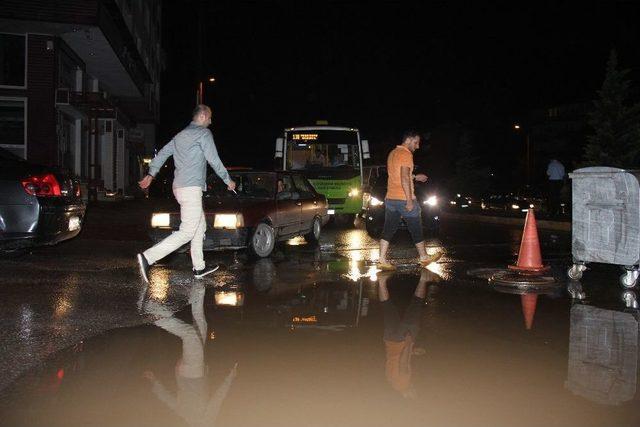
x=525, y=282
x=485, y=273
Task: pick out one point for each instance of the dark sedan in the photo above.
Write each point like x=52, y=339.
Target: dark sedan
x=38, y=205
x=373, y=206
x=268, y=207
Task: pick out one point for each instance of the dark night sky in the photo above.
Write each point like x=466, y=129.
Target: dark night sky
x=383, y=68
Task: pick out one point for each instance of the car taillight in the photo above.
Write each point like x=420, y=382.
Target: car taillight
x=42, y=185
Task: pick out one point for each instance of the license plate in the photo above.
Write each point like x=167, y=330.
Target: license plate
x=331, y=211
x=74, y=223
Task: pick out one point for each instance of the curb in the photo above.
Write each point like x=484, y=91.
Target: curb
x=548, y=225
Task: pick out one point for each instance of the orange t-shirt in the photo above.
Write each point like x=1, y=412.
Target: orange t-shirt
x=399, y=156
x=398, y=364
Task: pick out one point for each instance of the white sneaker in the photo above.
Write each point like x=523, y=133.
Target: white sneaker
x=199, y=274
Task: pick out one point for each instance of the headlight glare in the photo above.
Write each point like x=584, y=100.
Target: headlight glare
x=160, y=220
x=228, y=221
x=431, y=201
x=354, y=192
x=376, y=202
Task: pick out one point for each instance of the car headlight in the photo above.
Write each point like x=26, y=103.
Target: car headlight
x=366, y=199
x=514, y=206
x=431, y=201
x=376, y=202
x=228, y=221
x=354, y=192
x=160, y=220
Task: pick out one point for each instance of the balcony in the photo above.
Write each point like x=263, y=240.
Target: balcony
x=91, y=105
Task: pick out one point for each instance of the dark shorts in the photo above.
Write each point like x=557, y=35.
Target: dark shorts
x=394, y=212
x=396, y=327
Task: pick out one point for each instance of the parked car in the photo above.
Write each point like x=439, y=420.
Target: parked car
x=38, y=205
x=373, y=205
x=267, y=207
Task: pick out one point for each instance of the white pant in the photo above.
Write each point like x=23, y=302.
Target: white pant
x=192, y=228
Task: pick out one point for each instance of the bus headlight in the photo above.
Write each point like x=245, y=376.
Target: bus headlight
x=160, y=220
x=376, y=202
x=354, y=192
x=431, y=201
x=228, y=221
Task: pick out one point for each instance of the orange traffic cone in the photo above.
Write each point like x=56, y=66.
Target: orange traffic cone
x=529, y=258
x=529, y=302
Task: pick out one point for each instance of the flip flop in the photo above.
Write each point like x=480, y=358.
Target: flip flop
x=430, y=259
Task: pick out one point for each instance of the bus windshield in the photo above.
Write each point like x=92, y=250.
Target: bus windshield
x=322, y=149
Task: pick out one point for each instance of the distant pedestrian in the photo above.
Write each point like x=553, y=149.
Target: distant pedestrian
x=191, y=149
x=400, y=201
x=556, y=175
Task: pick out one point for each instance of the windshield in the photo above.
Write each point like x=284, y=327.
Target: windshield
x=248, y=185
x=322, y=149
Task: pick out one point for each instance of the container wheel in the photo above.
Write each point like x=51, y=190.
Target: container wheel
x=629, y=278
x=575, y=271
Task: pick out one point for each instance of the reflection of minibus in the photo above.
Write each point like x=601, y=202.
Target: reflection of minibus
x=332, y=159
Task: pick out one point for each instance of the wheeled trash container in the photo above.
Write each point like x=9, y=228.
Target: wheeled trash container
x=606, y=220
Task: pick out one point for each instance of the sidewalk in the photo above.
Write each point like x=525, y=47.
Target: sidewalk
x=543, y=224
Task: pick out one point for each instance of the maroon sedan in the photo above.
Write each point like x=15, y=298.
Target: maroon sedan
x=267, y=207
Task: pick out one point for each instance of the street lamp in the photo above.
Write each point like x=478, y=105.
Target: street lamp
x=200, y=90
x=517, y=128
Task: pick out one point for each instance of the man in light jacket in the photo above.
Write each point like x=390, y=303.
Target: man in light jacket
x=191, y=149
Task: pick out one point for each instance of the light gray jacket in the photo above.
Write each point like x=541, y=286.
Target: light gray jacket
x=191, y=149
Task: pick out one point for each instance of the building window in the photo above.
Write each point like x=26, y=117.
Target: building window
x=13, y=125
x=12, y=60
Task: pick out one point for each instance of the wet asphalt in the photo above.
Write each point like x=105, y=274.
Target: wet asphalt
x=313, y=335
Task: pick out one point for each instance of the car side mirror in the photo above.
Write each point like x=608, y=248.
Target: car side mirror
x=284, y=195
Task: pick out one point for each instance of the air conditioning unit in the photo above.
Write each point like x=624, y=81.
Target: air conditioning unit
x=62, y=96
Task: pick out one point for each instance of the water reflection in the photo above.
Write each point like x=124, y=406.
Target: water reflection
x=401, y=331
x=159, y=283
x=529, y=303
x=574, y=288
x=194, y=400
x=603, y=354
x=229, y=298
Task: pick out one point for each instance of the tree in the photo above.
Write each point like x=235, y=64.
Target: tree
x=615, y=122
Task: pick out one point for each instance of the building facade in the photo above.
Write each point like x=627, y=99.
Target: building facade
x=80, y=85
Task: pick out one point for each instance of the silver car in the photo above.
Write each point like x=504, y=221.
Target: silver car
x=38, y=205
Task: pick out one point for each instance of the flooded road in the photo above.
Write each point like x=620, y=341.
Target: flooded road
x=316, y=336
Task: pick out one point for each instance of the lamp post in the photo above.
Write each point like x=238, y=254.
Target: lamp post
x=200, y=90
x=517, y=128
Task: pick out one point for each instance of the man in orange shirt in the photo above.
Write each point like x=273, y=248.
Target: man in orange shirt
x=400, y=201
